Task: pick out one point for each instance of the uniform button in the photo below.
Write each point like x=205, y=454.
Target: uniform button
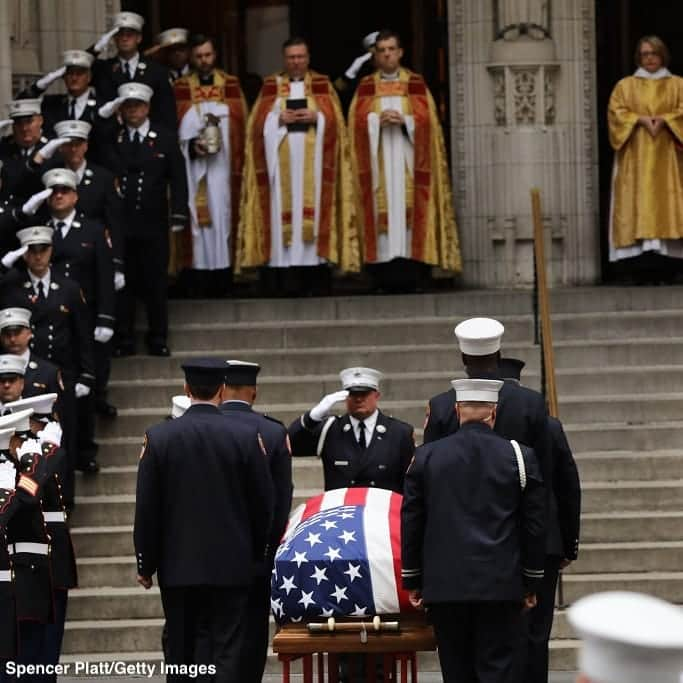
x=353, y=481
x=50, y=337
x=372, y=483
x=50, y=327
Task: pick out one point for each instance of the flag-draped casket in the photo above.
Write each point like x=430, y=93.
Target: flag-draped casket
x=340, y=556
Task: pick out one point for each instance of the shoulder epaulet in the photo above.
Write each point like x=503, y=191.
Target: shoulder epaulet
x=273, y=419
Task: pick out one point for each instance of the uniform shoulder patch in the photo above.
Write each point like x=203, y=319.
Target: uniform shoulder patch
x=144, y=447
x=288, y=443
x=262, y=445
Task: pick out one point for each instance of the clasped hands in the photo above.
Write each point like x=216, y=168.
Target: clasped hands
x=653, y=124
x=288, y=116
x=391, y=117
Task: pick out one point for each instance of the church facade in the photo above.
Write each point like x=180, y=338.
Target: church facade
x=522, y=112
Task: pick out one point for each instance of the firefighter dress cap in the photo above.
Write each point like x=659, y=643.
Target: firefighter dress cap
x=73, y=129
x=36, y=234
x=19, y=108
x=11, y=364
x=129, y=20
x=60, y=177
x=241, y=373
x=211, y=370
x=479, y=336
x=79, y=58
x=19, y=421
x=360, y=379
x=135, y=91
x=15, y=317
x=370, y=40
x=6, y=435
x=629, y=638
x=42, y=405
x=173, y=36
x=484, y=390
x=510, y=368
x=179, y=404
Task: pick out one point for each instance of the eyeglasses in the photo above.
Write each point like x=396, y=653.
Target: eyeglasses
x=649, y=54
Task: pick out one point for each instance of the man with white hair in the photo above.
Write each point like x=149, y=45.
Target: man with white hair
x=473, y=539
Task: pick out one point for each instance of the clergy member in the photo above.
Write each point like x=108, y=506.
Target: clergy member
x=397, y=147
x=297, y=204
x=646, y=132
x=212, y=113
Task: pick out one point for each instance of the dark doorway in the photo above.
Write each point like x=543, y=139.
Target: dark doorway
x=620, y=23
x=335, y=33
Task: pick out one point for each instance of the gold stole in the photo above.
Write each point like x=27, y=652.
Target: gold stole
x=393, y=88
x=308, y=226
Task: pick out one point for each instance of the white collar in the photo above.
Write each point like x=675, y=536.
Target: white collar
x=67, y=220
x=237, y=400
x=82, y=98
x=45, y=280
x=369, y=423
x=389, y=77
x=80, y=171
x=142, y=130
x=132, y=62
x=644, y=73
x=25, y=356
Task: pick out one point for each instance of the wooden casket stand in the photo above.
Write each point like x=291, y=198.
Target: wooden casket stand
x=396, y=639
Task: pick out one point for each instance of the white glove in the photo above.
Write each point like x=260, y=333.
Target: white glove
x=8, y=475
x=103, y=334
x=49, y=148
x=323, y=408
x=34, y=202
x=28, y=447
x=177, y=228
x=6, y=127
x=51, y=433
x=104, y=39
x=47, y=80
x=11, y=257
x=106, y=111
x=81, y=390
x=119, y=280
x=356, y=65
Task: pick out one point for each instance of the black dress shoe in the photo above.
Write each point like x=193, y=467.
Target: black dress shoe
x=159, y=350
x=105, y=409
x=124, y=350
x=90, y=467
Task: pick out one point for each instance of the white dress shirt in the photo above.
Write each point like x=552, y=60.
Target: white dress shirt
x=369, y=422
x=132, y=64
x=142, y=130
x=67, y=223
x=45, y=280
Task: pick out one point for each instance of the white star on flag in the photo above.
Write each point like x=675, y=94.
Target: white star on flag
x=276, y=606
x=333, y=553
x=313, y=539
x=346, y=515
x=296, y=620
x=339, y=594
x=329, y=525
x=299, y=558
x=327, y=612
x=353, y=572
x=319, y=574
x=306, y=599
x=288, y=584
x=347, y=536
x=359, y=611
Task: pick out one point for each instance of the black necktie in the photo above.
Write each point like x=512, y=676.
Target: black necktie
x=41, y=291
x=361, y=435
x=126, y=70
x=72, y=108
x=59, y=235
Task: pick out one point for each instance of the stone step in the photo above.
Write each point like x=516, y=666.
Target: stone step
x=595, y=558
x=637, y=526
x=102, y=541
x=469, y=303
x=664, y=585
x=308, y=389
x=629, y=410
x=396, y=358
x=629, y=465
x=291, y=334
x=612, y=436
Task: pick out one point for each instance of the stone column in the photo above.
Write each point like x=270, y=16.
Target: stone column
x=522, y=83
x=5, y=56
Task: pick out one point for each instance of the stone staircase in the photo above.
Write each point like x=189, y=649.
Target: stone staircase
x=619, y=358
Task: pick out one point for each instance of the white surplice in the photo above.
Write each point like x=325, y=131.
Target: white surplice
x=210, y=243
x=397, y=157
x=300, y=253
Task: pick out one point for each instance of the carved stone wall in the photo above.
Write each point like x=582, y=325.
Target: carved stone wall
x=522, y=88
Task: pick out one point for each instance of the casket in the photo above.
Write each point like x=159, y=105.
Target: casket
x=340, y=557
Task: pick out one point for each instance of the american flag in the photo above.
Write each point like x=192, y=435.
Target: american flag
x=340, y=556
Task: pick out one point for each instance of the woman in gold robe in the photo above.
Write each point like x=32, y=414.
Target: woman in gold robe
x=645, y=119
